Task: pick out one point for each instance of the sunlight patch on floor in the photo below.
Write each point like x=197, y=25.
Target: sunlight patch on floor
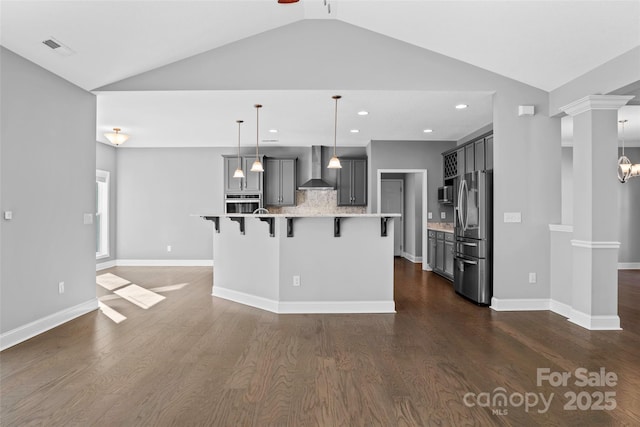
x=169, y=288
x=111, y=281
x=111, y=313
x=139, y=296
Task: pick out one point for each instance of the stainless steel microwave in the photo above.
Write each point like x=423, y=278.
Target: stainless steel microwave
x=445, y=194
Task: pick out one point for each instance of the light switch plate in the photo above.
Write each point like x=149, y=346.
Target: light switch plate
x=430, y=215
x=8, y=215
x=443, y=215
x=88, y=219
x=512, y=217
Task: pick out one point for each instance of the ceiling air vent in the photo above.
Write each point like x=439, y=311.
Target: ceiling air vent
x=58, y=47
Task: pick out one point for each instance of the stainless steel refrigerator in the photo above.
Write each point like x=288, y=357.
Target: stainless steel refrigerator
x=473, y=201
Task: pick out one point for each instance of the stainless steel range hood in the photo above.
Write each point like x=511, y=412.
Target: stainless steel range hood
x=316, y=182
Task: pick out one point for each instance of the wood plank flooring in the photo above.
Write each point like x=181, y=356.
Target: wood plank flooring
x=196, y=360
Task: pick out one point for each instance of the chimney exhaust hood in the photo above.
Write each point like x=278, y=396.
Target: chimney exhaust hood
x=316, y=182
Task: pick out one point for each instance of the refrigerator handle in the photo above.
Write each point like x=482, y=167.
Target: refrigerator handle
x=464, y=191
x=458, y=210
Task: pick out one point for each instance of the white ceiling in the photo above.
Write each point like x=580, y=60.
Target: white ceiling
x=542, y=43
x=207, y=118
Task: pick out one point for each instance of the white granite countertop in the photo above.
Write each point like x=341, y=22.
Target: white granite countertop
x=322, y=215
x=446, y=227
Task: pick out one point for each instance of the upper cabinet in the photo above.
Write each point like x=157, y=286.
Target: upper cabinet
x=472, y=156
x=352, y=182
x=251, y=183
x=280, y=181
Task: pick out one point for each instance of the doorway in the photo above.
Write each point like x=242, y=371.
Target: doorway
x=417, y=207
x=392, y=201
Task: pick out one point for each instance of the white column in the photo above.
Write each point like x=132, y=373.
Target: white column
x=595, y=211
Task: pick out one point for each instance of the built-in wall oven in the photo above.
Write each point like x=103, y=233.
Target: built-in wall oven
x=242, y=203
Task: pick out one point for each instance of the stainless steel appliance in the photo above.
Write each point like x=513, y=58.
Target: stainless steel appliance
x=445, y=195
x=472, y=275
x=242, y=203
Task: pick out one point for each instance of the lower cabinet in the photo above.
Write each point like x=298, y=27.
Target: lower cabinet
x=441, y=253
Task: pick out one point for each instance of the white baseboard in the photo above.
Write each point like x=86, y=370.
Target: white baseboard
x=595, y=323
x=246, y=299
x=414, y=259
x=532, y=304
x=164, y=263
x=560, y=308
x=30, y=330
x=105, y=265
x=305, y=307
x=629, y=266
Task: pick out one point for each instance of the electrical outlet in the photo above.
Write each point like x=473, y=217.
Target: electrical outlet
x=296, y=280
x=88, y=219
x=512, y=217
x=532, y=278
x=430, y=215
x=443, y=215
x=61, y=287
x=168, y=248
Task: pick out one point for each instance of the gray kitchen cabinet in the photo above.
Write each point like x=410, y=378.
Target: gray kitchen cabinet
x=439, y=252
x=479, y=149
x=352, y=182
x=432, y=249
x=461, y=162
x=280, y=182
x=469, y=158
x=488, y=153
x=448, y=255
x=252, y=181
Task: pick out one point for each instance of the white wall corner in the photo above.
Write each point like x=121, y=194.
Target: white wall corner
x=528, y=304
x=414, y=259
x=595, y=323
x=246, y=299
x=37, y=327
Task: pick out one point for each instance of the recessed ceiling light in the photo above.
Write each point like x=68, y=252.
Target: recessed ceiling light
x=363, y=113
x=355, y=130
x=428, y=130
x=461, y=106
x=273, y=130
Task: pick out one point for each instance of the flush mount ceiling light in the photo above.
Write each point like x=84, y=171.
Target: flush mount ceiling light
x=427, y=130
x=461, y=106
x=626, y=169
x=273, y=130
x=257, y=165
x=334, y=163
x=287, y=1
x=116, y=138
x=354, y=131
x=239, y=173
x=363, y=113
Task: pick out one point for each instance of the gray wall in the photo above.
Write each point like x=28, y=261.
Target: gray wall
x=106, y=161
x=411, y=155
x=412, y=199
x=159, y=188
x=48, y=182
x=629, y=208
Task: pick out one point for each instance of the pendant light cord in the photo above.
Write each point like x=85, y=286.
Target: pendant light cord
x=335, y=128
x=258, y=106
x=622, y=122
x=239, y=123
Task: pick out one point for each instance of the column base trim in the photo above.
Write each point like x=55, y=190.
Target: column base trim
x=595, y=245
x=595, y=322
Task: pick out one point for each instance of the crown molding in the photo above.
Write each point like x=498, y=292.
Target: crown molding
x=596, y=102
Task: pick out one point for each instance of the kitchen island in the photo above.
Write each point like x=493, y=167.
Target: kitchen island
x=323, y=263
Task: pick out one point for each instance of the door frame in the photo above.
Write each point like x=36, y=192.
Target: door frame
x=425, y=193
x=401, y=181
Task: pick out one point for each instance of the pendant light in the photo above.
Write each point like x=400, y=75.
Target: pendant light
x=257, y=165
x=239, y=173
x=334, y=163
x=116, y=138
x=626, y=169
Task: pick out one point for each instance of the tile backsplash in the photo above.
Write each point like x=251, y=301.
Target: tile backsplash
x=316, y=202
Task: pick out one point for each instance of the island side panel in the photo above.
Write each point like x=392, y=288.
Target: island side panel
x=245, y=267
x=350, y=270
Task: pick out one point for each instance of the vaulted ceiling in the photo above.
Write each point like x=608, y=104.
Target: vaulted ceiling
x=544, y=44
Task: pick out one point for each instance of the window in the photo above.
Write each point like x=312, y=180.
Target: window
x=102, y=214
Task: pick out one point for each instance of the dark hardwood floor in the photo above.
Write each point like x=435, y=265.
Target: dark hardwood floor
x=194, y=360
